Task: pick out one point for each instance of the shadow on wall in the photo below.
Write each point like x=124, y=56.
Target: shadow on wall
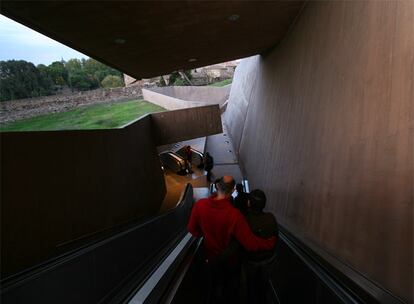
x=172, y=98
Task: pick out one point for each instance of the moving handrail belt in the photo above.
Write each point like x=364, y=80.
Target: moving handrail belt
x=175, y=156
x=144, y=292
x=154, y=284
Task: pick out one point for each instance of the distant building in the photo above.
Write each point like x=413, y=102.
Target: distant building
x=131, y=81
x=213, y=73
x=200, y=76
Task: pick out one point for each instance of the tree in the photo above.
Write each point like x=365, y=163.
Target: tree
x=177, y=80
x=94, y=69
x=45, y=80
x=88, y=73
x=58, y=73
x=112, y=81
x=73, y=65
x=21, y=79
x=162, y=82
x=79, y=80
x=99, y=70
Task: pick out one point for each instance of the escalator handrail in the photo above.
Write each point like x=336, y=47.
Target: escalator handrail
x=347, y=283
x=151, y=288
x=33, y=272
x=174, y=155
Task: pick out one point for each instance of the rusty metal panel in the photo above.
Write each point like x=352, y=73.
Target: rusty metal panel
x=60, y=186
x=174, y=126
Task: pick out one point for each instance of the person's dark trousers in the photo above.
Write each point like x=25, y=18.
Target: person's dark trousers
x=208, y=175
x=223, y=283
x=215, y=286
x=257, y=283
x=188, y=166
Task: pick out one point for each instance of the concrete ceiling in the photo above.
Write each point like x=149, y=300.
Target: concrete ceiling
x=150, y=38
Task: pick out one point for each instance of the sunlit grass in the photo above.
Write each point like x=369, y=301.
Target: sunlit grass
x=221, y=83
x=104, y=116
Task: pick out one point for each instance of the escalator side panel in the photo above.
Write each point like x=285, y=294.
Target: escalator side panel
x=98, y=272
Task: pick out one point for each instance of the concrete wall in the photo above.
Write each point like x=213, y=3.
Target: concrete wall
x=173, y=98
x=324, y=124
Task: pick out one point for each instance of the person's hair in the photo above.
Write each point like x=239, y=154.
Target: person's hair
x=224, y=187
x=216, y=181
x=239, y=188
x=257, y=199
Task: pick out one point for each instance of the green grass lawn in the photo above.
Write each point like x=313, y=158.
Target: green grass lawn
x=221, y=83
x=104, y=116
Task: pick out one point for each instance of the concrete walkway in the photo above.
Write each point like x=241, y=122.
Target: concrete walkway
x=221, y=149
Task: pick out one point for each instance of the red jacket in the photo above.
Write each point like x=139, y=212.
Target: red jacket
x=218, y=221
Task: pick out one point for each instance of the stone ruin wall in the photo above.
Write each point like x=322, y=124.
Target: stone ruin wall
x=30, y=107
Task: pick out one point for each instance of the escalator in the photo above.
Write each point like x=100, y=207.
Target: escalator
x=157, y=261
x=197, y=156
x=299, y=275
x=173, y=161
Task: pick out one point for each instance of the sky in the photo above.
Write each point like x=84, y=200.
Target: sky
x=19, y=42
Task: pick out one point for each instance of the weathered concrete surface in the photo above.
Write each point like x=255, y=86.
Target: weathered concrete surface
x=324, y=125
x=244, y=82
x=177, y=97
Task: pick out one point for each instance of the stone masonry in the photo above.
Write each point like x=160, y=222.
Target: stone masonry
x=24, y=108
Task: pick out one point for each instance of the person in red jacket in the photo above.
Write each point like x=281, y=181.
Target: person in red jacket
x=216, y=220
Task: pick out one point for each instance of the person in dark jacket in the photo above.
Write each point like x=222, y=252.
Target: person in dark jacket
x=257, y=264
x=240, y=202
x=208, y=165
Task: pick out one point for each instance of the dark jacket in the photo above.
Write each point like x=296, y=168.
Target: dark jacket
x=264, y=225
x=240, y=202
x=208, y=163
